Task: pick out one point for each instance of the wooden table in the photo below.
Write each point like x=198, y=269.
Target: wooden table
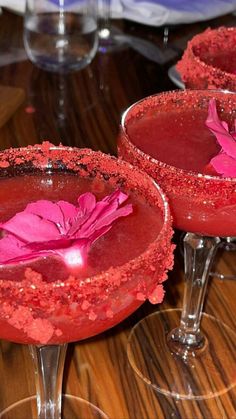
x=84, y=109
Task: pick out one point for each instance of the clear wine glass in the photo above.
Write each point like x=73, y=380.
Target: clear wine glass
x=166, y=136
x=48, y=300
x=60, y=36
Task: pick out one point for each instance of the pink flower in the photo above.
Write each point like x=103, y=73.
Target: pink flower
x=60, y=228
x=225, y=162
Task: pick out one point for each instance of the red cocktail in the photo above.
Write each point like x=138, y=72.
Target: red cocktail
x=50, y=300
x=166, y=136
x=209, y=60
x=171, y=129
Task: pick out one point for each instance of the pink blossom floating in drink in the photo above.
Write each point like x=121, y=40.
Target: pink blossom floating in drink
x=60, y=228
x=225, y=162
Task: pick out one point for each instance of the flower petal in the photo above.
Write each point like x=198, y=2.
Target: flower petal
x=224, y=164
x=86, y=202
x=82, y=226
x=27, y=227
x=50, y=244
x=69, y=212
x=13, y=250
x=10, y=247
x=117, y=195
x=104, y=214
x=45, y=209
x=112, y=216
x=86, y=205
x=45, y=228
x=220, y=130
x=56, y=212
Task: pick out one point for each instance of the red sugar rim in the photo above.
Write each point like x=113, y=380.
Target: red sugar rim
x=191, y=61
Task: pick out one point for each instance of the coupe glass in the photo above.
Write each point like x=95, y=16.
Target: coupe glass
x=209, y=60
x=209, y=63
x=166, y=136
x=47, y=303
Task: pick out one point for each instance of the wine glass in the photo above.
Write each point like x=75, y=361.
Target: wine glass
x=60, y=36
x=55, y=296
x=166, y=136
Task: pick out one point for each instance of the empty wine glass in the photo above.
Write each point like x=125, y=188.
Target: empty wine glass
x=61, y=36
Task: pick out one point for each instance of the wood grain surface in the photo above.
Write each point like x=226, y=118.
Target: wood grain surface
x=84, y=109
x=10, y=99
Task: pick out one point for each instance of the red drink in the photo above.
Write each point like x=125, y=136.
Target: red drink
x=209, y=61
x=153, y=134
x=170, y=127
x=48, y=301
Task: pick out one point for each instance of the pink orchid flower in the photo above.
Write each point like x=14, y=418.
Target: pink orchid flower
x=60, y=228
x=225, y=162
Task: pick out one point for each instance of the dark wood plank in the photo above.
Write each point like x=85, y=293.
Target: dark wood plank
x=10, y=99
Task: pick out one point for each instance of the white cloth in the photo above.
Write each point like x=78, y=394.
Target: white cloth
x=17, y=6
x=161, y=12
x=155, y=12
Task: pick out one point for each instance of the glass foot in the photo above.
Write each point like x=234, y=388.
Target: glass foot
x=72, y=408
x=110, y=39
x=201, y=374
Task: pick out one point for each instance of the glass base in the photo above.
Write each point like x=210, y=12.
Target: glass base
x=110, y=39
x=60, y=68
x=72, y=408
x=200, y=374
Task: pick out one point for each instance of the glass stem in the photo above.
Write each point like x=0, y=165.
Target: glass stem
x=199, y=252
x=49, y=365
x=105, y=18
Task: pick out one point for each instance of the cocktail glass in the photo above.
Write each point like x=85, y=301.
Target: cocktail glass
x=166, y=136
x=209, y=60
x=209, y=63
x=49, y=301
